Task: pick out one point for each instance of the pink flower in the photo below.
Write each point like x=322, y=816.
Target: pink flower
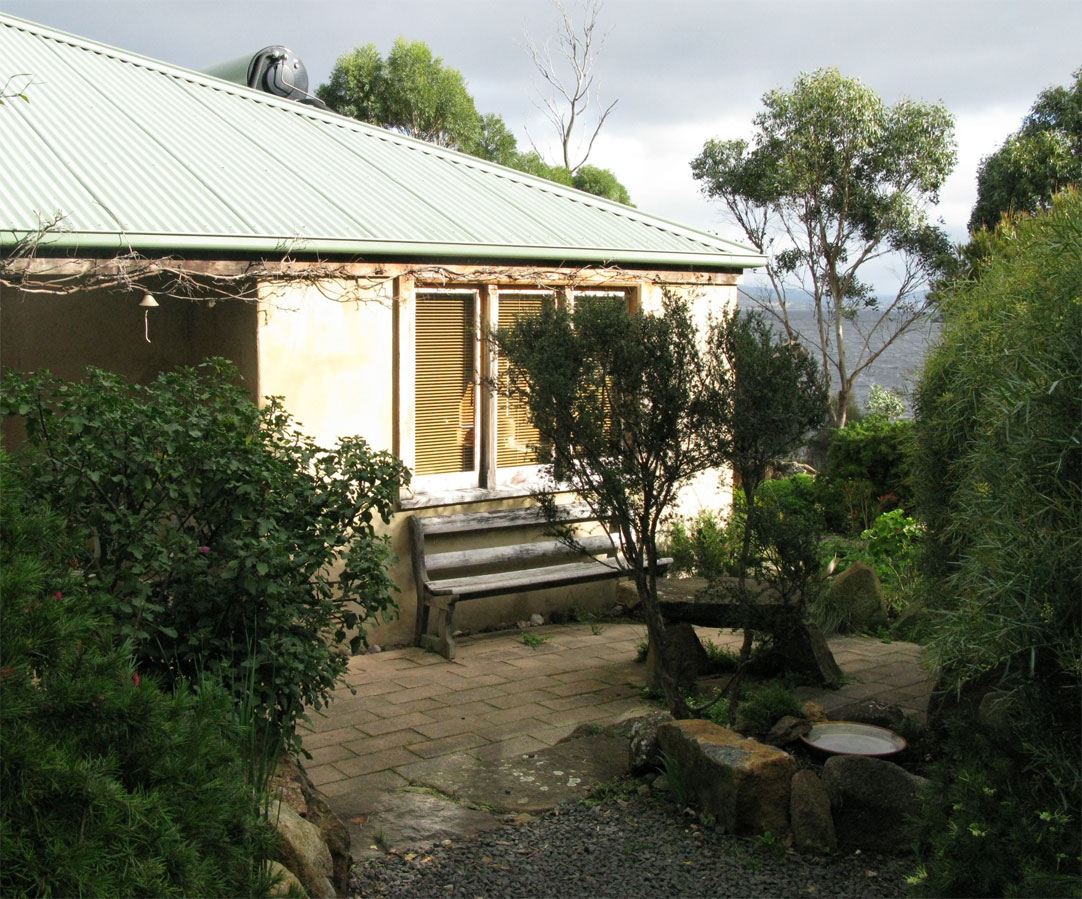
x=204, y=549
x=135, y=678
x=58, y=596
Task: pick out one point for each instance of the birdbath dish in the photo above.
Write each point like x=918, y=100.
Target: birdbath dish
x=852, y=738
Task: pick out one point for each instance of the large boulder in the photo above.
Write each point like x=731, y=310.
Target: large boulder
x=742, y=783
x=302, y=851
x=874, y=803
x=858, y=595
x=686, y=654
x=294, y=786
x=810, y=815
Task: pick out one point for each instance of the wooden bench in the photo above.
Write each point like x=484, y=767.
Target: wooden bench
x=519, y=563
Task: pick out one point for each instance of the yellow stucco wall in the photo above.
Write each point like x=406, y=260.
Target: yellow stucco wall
x=332, y=356
x=109, y=330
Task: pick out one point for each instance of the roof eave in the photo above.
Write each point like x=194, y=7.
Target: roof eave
x=157, y=244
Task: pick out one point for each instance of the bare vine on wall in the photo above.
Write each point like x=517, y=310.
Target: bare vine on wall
x=32, y=266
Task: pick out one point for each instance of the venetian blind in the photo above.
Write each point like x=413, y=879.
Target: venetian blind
x=517, y=440
x=445, y=391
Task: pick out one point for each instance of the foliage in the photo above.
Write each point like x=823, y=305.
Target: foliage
x=417, y=94
x=764, y=706
x=834, y=179
x=619, y=398
x=1034, y=163
x=232, y=545
x=410, y=91
x=998, y=479
x=991, y=829
x=633, y=411
x=601, y=183
x=872, y=450
x=111, y=787
x=787, y=526
x=707, y=546
x=775, y=399
x=885, y=402
x=533, y=640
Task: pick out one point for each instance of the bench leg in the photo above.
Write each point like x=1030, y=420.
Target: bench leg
x=443, y=641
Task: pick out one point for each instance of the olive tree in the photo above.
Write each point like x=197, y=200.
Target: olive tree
x=631, y=407
x=618, y=399
x=833, y=180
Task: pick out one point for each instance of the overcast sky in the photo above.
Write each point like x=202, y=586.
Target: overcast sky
x=683, y=71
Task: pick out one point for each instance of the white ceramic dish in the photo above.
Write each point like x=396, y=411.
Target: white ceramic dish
x=851, y=738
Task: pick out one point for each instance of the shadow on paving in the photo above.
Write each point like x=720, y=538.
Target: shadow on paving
x=458, y=796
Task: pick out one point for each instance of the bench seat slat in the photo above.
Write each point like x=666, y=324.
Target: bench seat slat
x=480, y=585
x=487, y=521
x=522, y=552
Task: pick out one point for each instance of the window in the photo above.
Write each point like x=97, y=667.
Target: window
x=465, y=434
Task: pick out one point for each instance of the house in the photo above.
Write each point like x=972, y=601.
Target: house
x=345, y=268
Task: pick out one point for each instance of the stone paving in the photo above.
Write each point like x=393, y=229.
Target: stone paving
x=500, y=699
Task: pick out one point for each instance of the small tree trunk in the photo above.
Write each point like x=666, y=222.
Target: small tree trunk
x=655, y=628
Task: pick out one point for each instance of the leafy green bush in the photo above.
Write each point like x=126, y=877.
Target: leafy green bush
x=708, y=547
x=232, y=545
x=998, y=479
x=885, y=402
x=763, y=707
x=988, y=836
x=872, y=451
x=110, y=786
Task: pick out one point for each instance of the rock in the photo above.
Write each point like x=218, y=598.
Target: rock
x=287, y=881
x=874, y=712
x=874, y=802
x=627, y=595
x=536, y=620
x=787, y=729
x=688, y=657
x=813, y=711
x=742, y=783
x=293, y=785
x=809, y=814
x=643, y=751
x=858, y=594
x=805, y=650
x=303, y=852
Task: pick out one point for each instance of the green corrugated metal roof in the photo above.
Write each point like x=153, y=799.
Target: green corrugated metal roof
x=138, y=154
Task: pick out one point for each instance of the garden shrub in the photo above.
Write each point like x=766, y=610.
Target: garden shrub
x=998, y=481
x=231, y=544
x=708, y=546
x=872, y=451
x=764, y=706
x=110, y=786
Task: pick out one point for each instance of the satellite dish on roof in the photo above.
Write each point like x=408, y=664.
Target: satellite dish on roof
x=274, y=70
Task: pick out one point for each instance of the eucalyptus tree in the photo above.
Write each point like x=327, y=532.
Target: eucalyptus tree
x=835, y=179
x=569, y=72
x=1041, y=158
x=411, y=91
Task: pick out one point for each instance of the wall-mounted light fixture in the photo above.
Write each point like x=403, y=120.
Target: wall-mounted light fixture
x=147, y=303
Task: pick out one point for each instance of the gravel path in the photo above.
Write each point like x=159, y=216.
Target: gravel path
x=638, y=847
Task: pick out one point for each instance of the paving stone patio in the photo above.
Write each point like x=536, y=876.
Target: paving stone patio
x=500, y=699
